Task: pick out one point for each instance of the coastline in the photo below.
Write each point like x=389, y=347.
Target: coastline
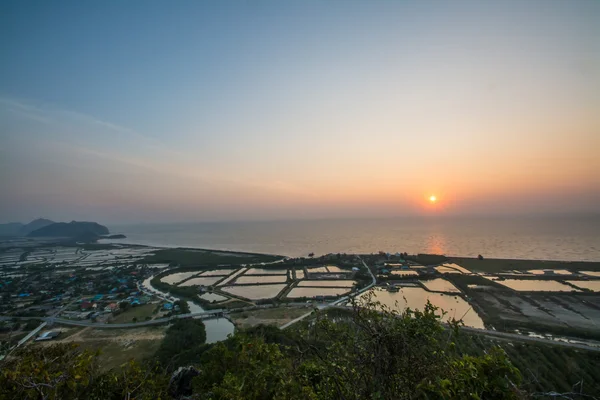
x=551, y=239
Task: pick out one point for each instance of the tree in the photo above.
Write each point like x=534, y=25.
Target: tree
x=182, y=344
x=31, y=325
x=65, y=372
x=184, y=308
x=368, y=353
x=47, y=373
x=124, y=305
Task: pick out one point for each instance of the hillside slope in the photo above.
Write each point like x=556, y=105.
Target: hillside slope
x=34, y=225
x=71, y=230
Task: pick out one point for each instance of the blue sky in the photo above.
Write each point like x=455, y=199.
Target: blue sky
x=190, y=111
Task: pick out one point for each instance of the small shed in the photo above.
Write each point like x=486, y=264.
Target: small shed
x=47, y=336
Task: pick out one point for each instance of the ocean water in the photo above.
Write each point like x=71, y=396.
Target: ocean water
x=569, y=238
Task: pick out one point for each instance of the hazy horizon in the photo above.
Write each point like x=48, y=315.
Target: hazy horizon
x=192, y=112
x=424, y=217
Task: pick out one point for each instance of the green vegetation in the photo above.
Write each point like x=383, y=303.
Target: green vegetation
x=66, y=372
x=544, y=367
x=269, y=316
x=207, y=258
x=183, y=344
x=183, y=307
x=113, y=354
x=31, y=324
x=183, y=292
x=559, y=368
x=71, y=229
x=358, y=353
x=370, y=355
x=138, y=312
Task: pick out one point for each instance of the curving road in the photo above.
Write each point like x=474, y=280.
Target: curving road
x=336, y=304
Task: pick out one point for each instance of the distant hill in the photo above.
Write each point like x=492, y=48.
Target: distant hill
x=72, y=229
x=34, y=225
x=11, y=229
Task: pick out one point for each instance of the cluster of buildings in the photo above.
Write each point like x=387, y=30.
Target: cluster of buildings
x=46, y=291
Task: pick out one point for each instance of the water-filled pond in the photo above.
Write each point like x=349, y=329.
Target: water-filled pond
x=233, y=276
x=549, y=271
x=532, y=285
x=317, y=269
x=177, y=277
x=218, y=272
x=447, y=270
x=326, y=283
x=416, y=298
x=590, y=273
x=255, y=292
x=201, y=281
x=405, y=273
x=210, y=297
x=456, y=267
x=262, y=271
x=440, y=285
x=261, y=279
x=333, y=268
x=314, y=291
x=591, y=285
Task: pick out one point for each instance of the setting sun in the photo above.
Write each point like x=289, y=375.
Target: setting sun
x=432, y=199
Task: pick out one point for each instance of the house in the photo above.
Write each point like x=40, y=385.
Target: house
x=168, y=306
x=98, y=297
x=111, y=307
x=85, y=305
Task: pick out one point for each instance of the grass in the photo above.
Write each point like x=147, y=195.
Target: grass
x=139, y=312
x=115, y=353
x=544, y=367
x=66, y=330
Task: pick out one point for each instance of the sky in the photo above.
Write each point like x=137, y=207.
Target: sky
x=153, y=111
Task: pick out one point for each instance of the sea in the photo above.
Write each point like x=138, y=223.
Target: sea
x=564, y=238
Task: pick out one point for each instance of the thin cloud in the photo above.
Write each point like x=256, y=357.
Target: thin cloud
x=55, y=116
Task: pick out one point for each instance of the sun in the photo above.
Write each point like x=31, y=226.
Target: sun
x=432, y=199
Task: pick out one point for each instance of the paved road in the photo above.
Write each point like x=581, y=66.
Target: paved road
x=523, y=338
x=158, y=321
x=211, y=314
x=30, y=335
